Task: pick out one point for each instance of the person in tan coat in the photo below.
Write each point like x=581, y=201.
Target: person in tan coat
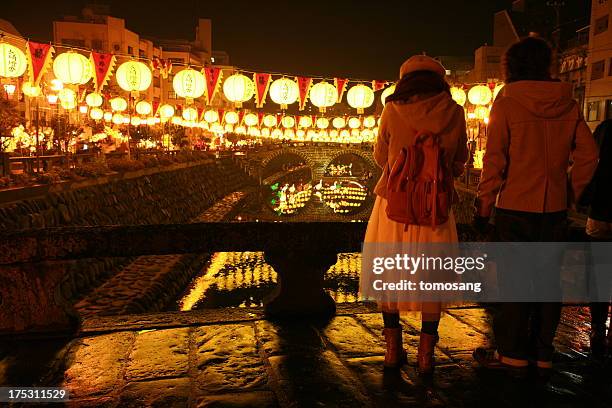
x=421, y=102
x=536, y=135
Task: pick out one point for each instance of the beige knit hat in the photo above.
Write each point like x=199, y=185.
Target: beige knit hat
x=422, y=63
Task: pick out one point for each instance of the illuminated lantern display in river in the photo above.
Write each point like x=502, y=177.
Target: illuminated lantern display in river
x=360, y=97
x=72, y=68
x=189, y=84
x=118, y=104
x=134, y=76
x=458, y=95
x=284, y=92
x=388, y=91
x=238, y=88
x=480, y=95
x=166, y=111
x=143, y=108
x=323, y=95
x=94, y=100
x=13, y=62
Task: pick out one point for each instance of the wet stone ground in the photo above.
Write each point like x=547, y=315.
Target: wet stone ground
x=234, y=358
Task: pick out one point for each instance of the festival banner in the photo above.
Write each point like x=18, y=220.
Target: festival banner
x=262, y=83
x=221, y=113
x=164, y=66
x=103, y=66
x=155, y=105
x=303, y=86
x=200, y=114
x=377, y=85
x=213, y=79
x=39, y=59
x=241, y=114
x=260, y=116
x=340, y=84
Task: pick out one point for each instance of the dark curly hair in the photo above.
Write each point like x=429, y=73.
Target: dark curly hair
x=527, y=60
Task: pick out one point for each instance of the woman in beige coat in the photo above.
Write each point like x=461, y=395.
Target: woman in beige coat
x=421, y=102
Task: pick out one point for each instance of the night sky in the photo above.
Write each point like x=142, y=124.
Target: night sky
x=358, y=39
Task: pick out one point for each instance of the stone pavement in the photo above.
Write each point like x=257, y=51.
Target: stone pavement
x=235, y=358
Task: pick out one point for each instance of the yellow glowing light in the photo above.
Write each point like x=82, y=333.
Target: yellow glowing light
x=166, y=111
x=216, y=128
x=289, y=134
x=52, y=99
x=265, y=132
x=284, y=92
x=94, y=100
x=345, y=133
x=83, y=108
x=322, y=123
x=478, y=156
x=360, y=97
x=144, y=108
x=117, y=118
x=481, y=112
x=480, y=95
x=72, y=68
x=68, y=98
x=300, y=134
x=338, y=123
x=150, y=121
x=118, y=104
x=13, y=62
x=250, y=119
x=96, y=113
x=108, y=116
x=189, y=83
x=388, y=91
x=323, y=95
x=57, y=85
x=369, y=122
x=277, y=134
x=240, y=130
x=190, y=114
x=231, y=118
x=270, y=121
x=211, y=116
x=498, y=88
x=305, y=122
x=134, y=76
x=30, y=90
x=135, y=121
x=228, y=127
x=458, y=95
x=288, y=122
x=238, y=88
x=354, y=123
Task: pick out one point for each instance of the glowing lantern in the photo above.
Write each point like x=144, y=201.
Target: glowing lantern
x=68, y=98
x=288, y=122
x=305, y=122
x=144, y=108
x=108, y=116
x=250, y=119
x=270, y=121
x=338, y=123
x=166, y=111
x=13, y=62
x=388, y=91
x=30, y=90
x=284, y=92
x=323, y=95
x=458, y=95
x=277, y=134
x=498, y=88
x=238, y=89
x=367, y=134
x=189, y=83
x=72, y=68
x=369, y=122
x=216, y=128
x=211, y=116
x=118, y=104
x=254, y=132
x=360, y=97
x=345, y=133
x=190, y=114
x=52, y=99
x=229, y=127
x=96, y=113
x=9, y=89
x=300, y=134
x=240, y=130
x=322, y=123
x=265, y=132
x=94, y=100
x=83, y=108
x=117, y=118
x=134, y=76
x=354, y=123
x=135, y=121
x=231, y=118
x=480, y=95
x=481, y=112
x=289, y=134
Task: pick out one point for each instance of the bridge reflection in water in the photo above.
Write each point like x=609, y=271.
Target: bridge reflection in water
x=243, y=279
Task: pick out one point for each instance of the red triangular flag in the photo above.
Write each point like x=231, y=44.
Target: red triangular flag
x=340, y=84
x=241, y=114
x=213, y=77
x=39, y=58
x=103, y=66
x=377, y=85
x=221, y=113
x=155, y=108
x=303, y=87
x=262, y=82
x=260, y=116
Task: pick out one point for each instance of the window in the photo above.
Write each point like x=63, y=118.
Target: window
x=609, y=109
x=74, y=42
x=177, y=60
x=172, y=95
x=97, y=45
x=130, y=50
x=601, y=25
x=156, y=82
x=142, y=53
x=597, y=70
x=593, y=111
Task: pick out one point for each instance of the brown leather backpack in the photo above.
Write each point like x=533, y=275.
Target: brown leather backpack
x=419, y=186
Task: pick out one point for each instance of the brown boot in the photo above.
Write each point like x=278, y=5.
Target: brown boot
x=425, y=357
x=395, y=356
